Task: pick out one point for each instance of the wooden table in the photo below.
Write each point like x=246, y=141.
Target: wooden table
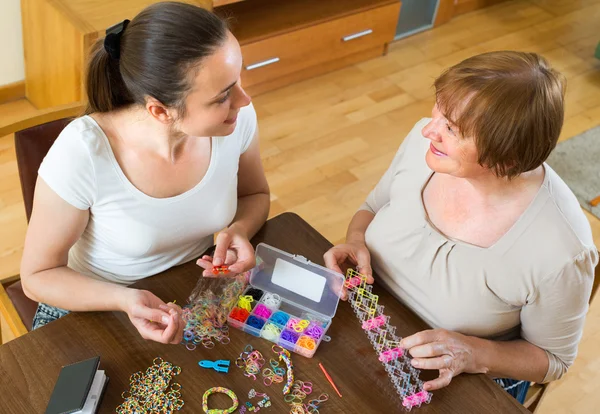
x=29, y=365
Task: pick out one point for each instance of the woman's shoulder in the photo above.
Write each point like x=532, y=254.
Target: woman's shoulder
x=567, y=209
x=80, y=134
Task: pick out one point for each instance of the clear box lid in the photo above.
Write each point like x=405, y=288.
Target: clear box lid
x=296, y=279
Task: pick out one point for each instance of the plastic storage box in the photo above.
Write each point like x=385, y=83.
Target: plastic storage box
x=293, y=301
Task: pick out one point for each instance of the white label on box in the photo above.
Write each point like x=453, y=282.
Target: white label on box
x=298, y=280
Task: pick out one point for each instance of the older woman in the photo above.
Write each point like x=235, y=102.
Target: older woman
x=473, y=231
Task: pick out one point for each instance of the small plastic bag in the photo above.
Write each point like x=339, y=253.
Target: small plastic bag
x=208, y=305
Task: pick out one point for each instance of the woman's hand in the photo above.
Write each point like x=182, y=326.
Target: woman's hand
x=355, y=252
x=449, y=352
x=233, y=250
x=153, y=318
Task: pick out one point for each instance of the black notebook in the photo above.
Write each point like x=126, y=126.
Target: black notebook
x=72, y=387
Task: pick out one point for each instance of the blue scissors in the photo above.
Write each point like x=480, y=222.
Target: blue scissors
x=221, y=365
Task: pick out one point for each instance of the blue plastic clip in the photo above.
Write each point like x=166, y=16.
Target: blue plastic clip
x=221, y=365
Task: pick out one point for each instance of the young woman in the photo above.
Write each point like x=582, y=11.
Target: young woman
x=166, y=156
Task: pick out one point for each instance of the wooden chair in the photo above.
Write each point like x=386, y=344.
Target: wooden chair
x=33, y=139
x=537, y=392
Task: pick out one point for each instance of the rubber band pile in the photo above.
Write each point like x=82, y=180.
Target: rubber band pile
x=382, y=335
x=152, y=390
x=207, y=310
x=251, y=360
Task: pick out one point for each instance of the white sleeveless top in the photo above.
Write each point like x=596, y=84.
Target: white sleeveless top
x=131, y=235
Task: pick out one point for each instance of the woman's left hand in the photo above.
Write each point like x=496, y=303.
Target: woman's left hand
x=233, y=250
x=449, y=352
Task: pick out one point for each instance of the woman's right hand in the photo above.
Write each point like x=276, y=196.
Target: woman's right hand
x=153, y=318
x=355, y=252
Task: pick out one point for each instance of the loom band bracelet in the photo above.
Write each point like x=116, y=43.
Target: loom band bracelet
x=221, y=390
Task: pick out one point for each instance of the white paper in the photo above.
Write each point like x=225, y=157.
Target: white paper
x=93, y=396
x=298, y=280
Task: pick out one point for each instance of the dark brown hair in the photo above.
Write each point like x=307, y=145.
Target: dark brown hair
x=158, y=49
x=510, y=103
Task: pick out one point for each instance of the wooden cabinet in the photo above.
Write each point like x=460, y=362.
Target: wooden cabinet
x=57, y=36
x=282, y=40
x=285, y=58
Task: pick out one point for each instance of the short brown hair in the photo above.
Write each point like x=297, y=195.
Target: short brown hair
x=510, y=103
x=157, y=51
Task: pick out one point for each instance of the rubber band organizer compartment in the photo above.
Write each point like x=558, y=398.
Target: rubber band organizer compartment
x=289, y=301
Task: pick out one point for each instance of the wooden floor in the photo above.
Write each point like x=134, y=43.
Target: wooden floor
x=326, y=141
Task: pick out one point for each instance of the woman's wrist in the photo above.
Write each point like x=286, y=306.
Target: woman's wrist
x=239, y=228
x=482, y=351
x=123, y=298
x=355, y=236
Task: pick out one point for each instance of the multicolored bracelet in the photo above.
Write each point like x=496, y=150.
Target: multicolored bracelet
x=222, y=390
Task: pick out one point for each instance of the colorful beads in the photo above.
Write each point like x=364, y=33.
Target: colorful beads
x=262, y=311
x=149, y=390
x=222, y=390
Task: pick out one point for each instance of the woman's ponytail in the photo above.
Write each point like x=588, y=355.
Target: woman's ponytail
x=152, y=56
x=104, y=84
